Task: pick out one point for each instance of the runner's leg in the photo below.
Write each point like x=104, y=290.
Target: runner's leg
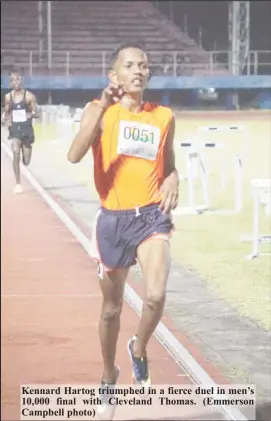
x=27, y=153
x=16, y=145
x=154, y=260
x=112, y=286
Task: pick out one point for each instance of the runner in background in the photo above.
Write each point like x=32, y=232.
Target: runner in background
x=19, y=109
x=137, y=182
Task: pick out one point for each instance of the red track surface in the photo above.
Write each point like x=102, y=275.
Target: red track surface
x=51, y=304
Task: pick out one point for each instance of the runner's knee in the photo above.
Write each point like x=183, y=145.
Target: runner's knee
x=16, y=147
x=155, y=291
x=27, y=151
x=111, y=312
x=155, y=300
x=26, y=160
x=112, y=287
x=16, y=156
x=154, y=258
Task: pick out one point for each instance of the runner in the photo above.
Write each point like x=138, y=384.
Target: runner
x=137, y=182
x=20, y=109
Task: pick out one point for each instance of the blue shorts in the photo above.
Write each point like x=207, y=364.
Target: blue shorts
x=117, y=234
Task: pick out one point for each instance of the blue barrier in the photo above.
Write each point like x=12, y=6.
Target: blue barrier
x=263, y=100
x=157, y=82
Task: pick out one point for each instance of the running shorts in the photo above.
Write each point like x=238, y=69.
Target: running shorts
x=117, y=234
x=23, y=133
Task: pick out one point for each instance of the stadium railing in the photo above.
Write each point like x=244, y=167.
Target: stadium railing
x=163, y=63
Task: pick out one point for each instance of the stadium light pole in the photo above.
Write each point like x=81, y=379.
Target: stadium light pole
x=171, y=13
x=239, y=34
x=185, y=25
x=40, y=29
x=49, y=43
x=49, y=33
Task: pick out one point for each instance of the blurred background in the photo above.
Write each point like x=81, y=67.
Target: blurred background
x=63, y=49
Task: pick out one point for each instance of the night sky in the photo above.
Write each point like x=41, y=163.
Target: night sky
x=212, y=16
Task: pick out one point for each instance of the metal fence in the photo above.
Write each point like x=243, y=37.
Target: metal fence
x=163, y=63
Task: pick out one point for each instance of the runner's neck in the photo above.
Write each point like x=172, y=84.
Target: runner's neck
x=18, y=93
x=133, y=104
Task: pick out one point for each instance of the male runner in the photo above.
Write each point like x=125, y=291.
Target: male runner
x=137, y=182
x=20, y=109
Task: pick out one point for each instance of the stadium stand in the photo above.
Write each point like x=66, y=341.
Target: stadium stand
x=19, y=34
x=83, y=31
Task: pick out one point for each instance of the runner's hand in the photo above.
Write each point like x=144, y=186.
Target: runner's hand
x=3, y=119
x=5, y=122
x=170, y=193
x=29, y=116
x=111, y=94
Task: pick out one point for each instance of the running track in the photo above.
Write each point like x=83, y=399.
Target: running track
x=51, y=304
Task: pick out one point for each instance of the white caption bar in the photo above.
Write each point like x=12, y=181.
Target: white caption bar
x=126, y=402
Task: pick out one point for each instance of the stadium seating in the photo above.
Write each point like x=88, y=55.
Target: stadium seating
x=85, y=33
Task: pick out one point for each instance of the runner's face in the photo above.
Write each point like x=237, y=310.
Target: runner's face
x=131, y=70
x=16, y=82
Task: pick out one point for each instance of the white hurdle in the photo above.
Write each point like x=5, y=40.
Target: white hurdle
x=213, y=132
x=206, y=137
x=194, y=160
x=193, y=157
x=48, y=117
x=261, y=192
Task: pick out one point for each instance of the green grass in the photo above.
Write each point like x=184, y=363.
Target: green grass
x=210, y=244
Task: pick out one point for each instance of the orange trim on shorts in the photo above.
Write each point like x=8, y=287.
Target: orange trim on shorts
x=162, y=235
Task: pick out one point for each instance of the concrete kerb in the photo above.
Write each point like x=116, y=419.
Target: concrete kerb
x=177, y=351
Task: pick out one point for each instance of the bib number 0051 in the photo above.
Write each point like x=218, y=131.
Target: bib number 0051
x=137, y=134
x=138, y=139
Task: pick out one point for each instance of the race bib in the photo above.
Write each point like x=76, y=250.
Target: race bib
x=138, y=140
x=19, y=116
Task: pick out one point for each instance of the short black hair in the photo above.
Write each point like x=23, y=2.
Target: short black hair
x=15, y=72
x=131, y=44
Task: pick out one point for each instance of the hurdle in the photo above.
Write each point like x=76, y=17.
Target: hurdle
x=228, y=129
x=261, y=193
x=194, y=156
x=48, y=116
x=193, y=161
x=213, y=132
